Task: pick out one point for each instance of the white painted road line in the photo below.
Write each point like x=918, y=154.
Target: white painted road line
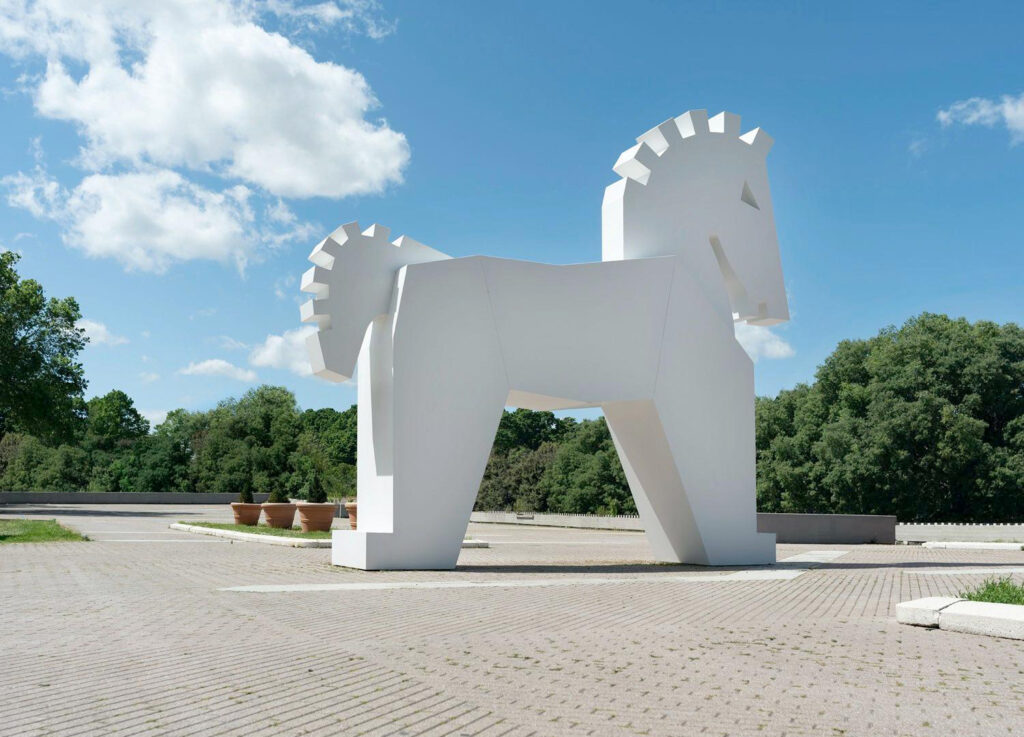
x=964, y=571
x=796, y=566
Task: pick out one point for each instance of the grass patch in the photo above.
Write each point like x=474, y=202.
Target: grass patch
x=263, y=530
x=996, y=591
x=36, y=531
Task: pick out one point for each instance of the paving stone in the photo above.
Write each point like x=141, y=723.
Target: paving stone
x=132, y=634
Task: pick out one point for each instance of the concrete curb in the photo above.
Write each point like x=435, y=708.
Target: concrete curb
x=959, y=615
x=254, y=537
x=292, y=542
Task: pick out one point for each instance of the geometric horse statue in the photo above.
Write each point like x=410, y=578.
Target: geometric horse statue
x=444, y=344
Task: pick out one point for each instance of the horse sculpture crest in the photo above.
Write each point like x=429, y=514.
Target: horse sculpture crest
x=443, y=344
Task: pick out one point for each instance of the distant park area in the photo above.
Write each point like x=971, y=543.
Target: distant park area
x=924, y=421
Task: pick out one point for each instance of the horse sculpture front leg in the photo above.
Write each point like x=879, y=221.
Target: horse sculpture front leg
x=436, y=390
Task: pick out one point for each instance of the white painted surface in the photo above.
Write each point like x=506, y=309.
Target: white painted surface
x=688, y=243
x=966, y=545
x=965, y=571
x=923, y=612
x=768, y=573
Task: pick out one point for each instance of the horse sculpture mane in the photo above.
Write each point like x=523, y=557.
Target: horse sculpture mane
x=444, y=344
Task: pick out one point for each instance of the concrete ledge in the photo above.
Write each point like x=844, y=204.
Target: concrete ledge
x=982, y=618
x=923, y=612
x=254, y=537
x=955, y=545
x=970, y=617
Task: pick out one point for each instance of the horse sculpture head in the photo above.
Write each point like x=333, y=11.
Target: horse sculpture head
x=353, y=280
x=696, y=188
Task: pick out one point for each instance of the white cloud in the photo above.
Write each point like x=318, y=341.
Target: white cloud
x=148, y=377
x=202, y=85
x=760, y=342
x=155, y=416
x=99, y=334
x=145, y=220
x=156, y=89
x=1007, y=110
x=286, y=351
x=219, y=367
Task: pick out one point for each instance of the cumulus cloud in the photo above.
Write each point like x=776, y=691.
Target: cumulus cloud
x=760, y=342
x=219, y=367
x=147, y=220
x=99, y=334
x=148, y=377
x=1007, y=111
x=157, y=90
x=286, y=351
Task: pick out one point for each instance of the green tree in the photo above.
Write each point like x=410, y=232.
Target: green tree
x=585, y=476
x=41, y=382
x=113, y=421
x=922, y=422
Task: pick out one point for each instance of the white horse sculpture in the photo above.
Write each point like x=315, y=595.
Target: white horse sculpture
x=444, y=344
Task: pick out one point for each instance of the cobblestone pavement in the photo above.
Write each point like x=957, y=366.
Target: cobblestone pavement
x=135, y=633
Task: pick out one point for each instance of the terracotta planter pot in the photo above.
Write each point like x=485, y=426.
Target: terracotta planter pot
x=246, y=514
x=350, y=507
x=279, y=515
x=316, y=517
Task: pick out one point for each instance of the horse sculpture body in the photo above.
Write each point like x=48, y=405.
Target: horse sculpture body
x=444, y=344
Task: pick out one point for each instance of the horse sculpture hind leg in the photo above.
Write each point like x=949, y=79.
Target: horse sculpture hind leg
x=688, y=453
x=430, y=412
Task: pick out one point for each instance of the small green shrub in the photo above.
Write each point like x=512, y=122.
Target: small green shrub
x=278, y=495
x=245, y=490
x=315, y=491
x=996, y=591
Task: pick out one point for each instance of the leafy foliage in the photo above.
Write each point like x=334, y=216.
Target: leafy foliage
x=41, y=383
x=925, y=422
x=541, y=463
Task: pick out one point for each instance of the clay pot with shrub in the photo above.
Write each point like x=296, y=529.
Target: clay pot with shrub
x=316, y=514
x=351, y=510
x=279, y=510
x=245, y=511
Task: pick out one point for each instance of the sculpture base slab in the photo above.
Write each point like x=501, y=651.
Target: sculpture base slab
x=386, y=551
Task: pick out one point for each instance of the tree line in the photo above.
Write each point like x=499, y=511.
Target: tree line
x=924, y=421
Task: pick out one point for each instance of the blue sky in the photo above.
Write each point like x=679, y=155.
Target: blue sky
x=171, y=166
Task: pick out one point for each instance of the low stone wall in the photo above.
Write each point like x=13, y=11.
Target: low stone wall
x=117, y=497
x=829, y=529
x=822, y=529
x=954, y=532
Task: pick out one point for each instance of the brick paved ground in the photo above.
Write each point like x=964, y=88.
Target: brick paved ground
x=133, y=634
